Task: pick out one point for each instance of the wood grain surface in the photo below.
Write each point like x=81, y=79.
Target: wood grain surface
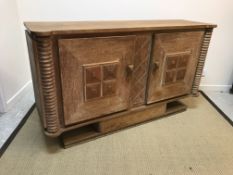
x=173, y=64
x=88, y=96
x=82, y=27
x=111, y=73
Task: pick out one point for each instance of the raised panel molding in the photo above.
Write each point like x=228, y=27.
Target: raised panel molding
x=100, y=80
x=174, y=60
x=94, y=76
x=175, y=67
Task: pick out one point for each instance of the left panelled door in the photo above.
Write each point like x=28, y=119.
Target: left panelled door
x=95, y=76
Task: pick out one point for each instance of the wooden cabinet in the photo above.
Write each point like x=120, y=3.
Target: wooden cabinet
x=91, y=78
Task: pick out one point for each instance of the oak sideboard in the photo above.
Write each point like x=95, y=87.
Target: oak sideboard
x=93, y=78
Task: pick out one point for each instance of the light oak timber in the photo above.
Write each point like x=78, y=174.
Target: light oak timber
x=93, y=78
x=120, y=122
x=122, y=113
x=83, y=27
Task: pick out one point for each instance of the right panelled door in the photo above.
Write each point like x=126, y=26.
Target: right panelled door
x=173, y=64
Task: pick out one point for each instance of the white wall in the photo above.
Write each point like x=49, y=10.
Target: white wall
x=14, y=65
x=219, y=65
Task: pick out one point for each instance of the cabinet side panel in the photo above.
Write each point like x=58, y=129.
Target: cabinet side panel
x=35, y=76
x=201, y=61
x=47, y=80
x=141, y=60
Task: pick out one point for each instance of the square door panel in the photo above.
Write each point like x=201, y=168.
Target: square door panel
x=93, y=74
x=92, y=91
x=102, y=74
x=180, y=74
x=110, y=71
x=173, y=64
x=94, y=80
x=109, y=88
x=183, y=60
x=169, y=77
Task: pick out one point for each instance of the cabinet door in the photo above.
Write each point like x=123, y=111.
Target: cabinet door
x=95, y=76
x=173, y=64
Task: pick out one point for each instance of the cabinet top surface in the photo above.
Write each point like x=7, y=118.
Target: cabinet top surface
x=78, y=27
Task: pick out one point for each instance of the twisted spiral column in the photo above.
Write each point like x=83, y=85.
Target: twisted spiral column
x=47, y=78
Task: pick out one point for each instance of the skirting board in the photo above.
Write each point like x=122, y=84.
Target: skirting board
x=217, y=108
x=223, y=88
x=5, y=105
x=14, y=118
x=2, y=101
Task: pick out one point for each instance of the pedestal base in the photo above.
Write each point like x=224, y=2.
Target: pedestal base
x=121, y=120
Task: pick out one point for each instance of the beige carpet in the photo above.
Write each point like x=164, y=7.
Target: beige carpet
x=198, y=141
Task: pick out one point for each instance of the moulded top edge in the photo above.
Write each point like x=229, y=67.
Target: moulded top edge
x=78, y=27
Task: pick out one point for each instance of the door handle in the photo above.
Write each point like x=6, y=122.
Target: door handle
x=129, y=69
x=155, y=66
